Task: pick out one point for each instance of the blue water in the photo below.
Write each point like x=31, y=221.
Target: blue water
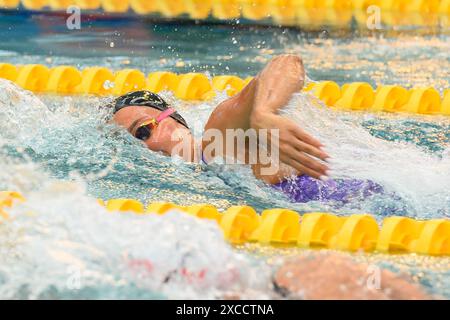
x=47, y=141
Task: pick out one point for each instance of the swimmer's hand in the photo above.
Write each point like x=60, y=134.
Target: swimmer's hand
x=276, y=84
x=296, y=148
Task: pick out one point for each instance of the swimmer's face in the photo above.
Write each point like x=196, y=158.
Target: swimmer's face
x=164, y=138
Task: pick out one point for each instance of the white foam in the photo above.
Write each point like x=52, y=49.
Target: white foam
x=421, y=178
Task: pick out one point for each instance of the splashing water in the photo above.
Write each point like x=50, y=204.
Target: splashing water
x=412, y=176
x=92, y=253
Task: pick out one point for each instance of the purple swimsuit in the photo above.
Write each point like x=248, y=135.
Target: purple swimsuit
x=304, y=189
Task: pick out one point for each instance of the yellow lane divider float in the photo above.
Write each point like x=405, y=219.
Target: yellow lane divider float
x=284, y=227
x=197, y=86
x=284, y=12
x=242, y=224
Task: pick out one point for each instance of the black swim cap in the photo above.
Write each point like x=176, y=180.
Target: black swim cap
x=144, y=98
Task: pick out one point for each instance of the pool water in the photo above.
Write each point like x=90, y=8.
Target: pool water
x=61, y=154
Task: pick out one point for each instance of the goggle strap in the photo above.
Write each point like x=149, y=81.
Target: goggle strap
x=165, y=114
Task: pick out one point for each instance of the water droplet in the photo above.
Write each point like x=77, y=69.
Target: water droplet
x=108, y=85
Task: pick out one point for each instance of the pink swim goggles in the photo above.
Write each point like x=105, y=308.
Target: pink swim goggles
x=144, y=131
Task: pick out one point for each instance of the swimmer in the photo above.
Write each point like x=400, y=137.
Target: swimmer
x=302, y=171
x=327, y=275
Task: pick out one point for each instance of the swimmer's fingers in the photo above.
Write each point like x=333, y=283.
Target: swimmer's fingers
x=306, y=138
x=304, y=170
x=304, y=163
x=311, y=150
